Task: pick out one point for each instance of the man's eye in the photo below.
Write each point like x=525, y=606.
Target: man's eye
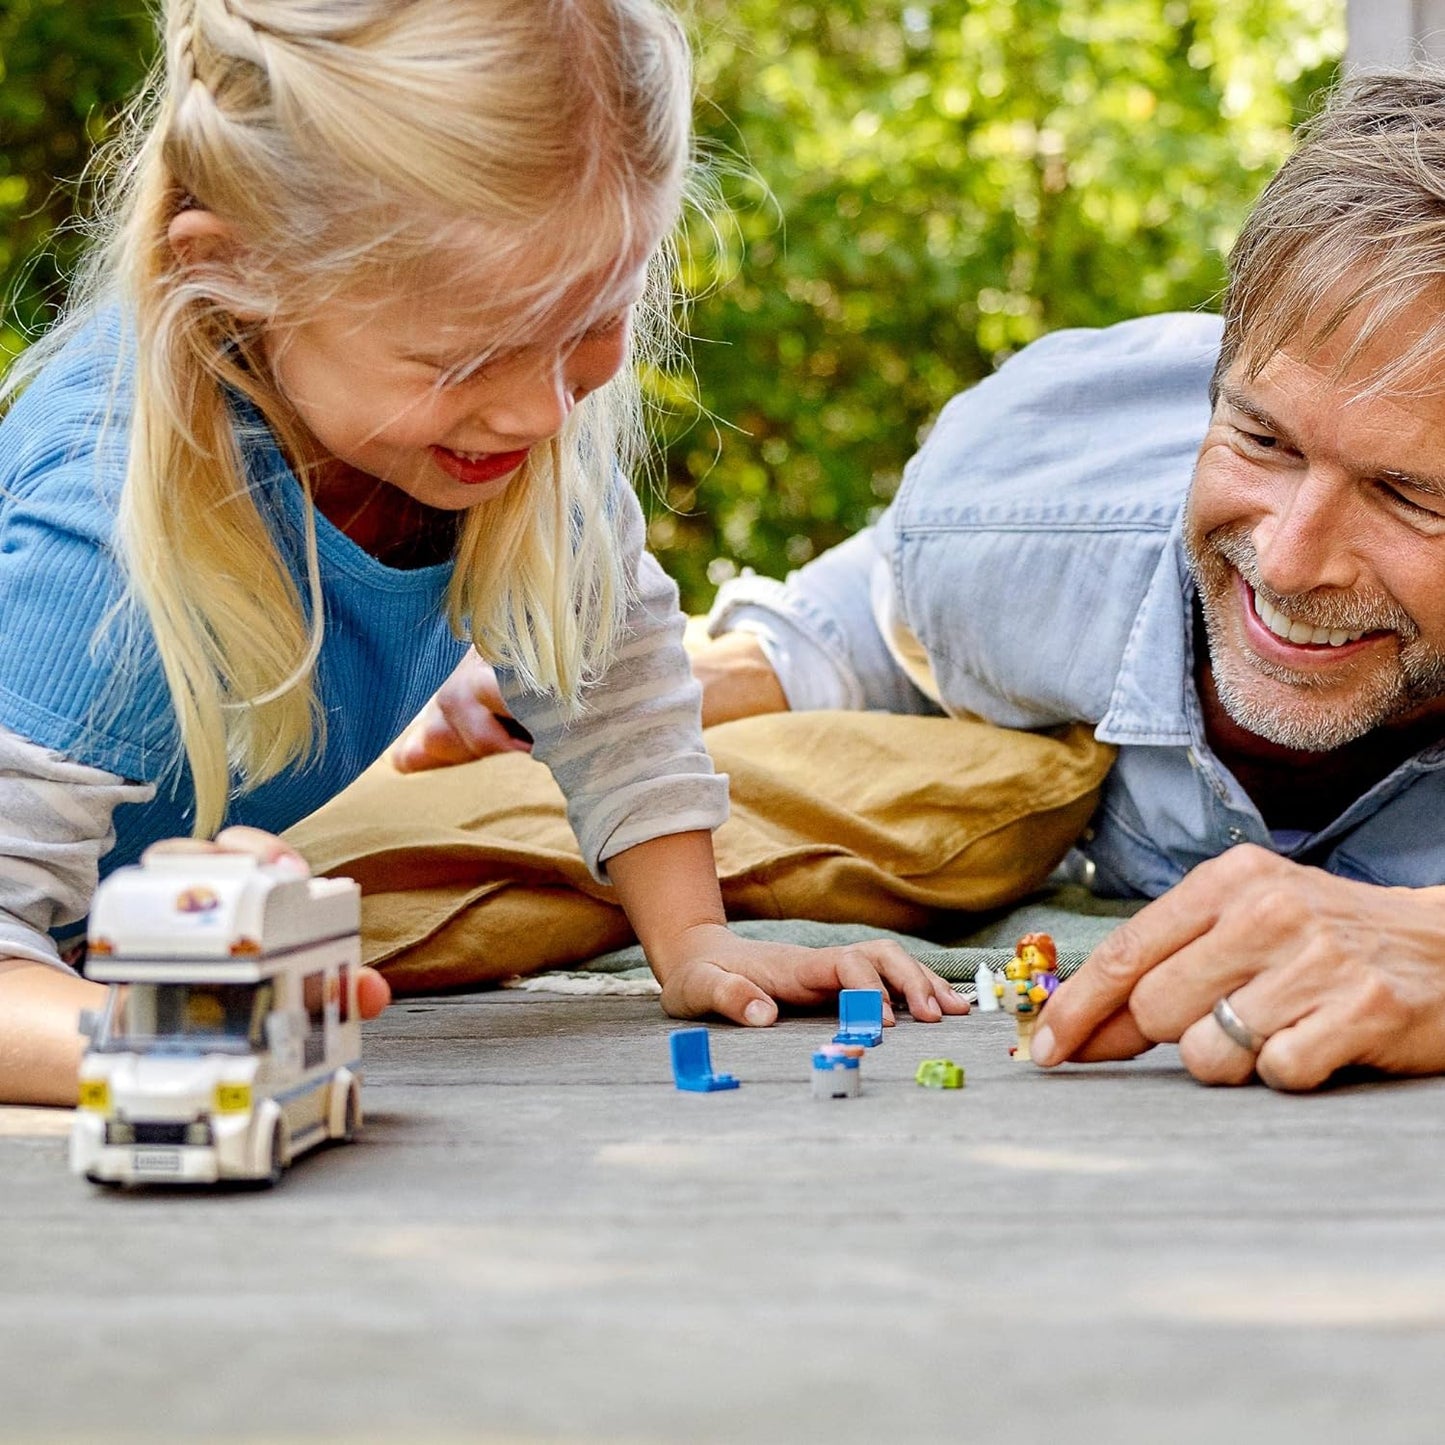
x=1407, y=504
x=1262, y=440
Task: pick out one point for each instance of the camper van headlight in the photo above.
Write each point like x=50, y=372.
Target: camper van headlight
x=198, y=1133
x=95, y=1095
x=117, y=1131
x=233, y=1099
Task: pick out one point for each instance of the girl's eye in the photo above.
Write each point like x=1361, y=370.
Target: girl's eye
x=607, y=327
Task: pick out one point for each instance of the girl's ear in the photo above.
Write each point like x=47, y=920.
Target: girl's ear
x=202, y=241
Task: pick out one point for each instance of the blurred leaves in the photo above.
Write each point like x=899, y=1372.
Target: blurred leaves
x=942, y=181
x=913, y=191
x=65, y=70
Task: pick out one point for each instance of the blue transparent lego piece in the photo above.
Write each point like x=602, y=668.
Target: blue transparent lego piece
x=692, y=1063
x=860, y=1017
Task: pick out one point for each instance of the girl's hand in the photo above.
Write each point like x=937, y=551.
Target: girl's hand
x=712, y=970
x=466, y=719
x=373, y=993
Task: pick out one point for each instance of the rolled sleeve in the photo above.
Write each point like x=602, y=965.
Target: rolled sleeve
x=56, y=824
x=632, y=765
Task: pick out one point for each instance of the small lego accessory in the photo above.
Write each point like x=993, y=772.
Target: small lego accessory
x=1029, y=979
x=939, y=1074
x=860, y=1017
x=985, y=985
x=692, y=1063
x=836, y=1073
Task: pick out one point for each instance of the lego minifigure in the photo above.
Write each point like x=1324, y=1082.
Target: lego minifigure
x=1029, y=978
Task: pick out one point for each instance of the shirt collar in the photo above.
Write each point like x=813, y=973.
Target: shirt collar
x=1153, y=700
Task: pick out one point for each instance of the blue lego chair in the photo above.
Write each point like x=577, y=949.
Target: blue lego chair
x=692, y=1063
x=860, y=1017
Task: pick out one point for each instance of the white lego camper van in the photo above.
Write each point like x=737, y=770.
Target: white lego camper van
x=230, y=1041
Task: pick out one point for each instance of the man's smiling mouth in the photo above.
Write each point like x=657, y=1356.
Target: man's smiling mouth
x=1291, y=629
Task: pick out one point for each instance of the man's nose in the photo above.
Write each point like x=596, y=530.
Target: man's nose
x=1304, y=541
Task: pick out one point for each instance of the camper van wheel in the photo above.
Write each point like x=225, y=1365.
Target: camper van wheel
x=353, y=1113
x=278, y=1154
x=102, y=1183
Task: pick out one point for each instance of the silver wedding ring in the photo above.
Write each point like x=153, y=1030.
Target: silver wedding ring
x=1237, y=1029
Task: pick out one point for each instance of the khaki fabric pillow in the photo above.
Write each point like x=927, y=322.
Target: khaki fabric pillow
x=471, y=873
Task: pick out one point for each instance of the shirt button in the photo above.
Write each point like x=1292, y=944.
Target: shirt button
x=1236, y=835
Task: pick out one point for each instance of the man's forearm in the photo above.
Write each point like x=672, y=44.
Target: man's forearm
x=40, y=1045
x=736, y=679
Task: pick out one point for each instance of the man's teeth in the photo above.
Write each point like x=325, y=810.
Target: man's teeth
x=1292, y=631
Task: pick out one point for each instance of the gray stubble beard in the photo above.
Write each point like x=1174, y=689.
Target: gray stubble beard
x=1388, y=690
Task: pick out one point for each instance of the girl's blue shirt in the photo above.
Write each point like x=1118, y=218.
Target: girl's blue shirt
x=79, y=672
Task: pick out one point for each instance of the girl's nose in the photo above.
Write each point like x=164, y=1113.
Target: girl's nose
x=533, y=406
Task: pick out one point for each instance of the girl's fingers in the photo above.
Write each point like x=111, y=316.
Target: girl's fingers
x=856, y=969
x=701, y=988
x=438, y=741
x=373, y=993
x=266, y=847
x=918, y=985
x=950, y=1001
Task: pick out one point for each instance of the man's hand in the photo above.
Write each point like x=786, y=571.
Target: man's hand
x=466, y=719
x=736, y=679
x=715, y=971
x=373, y=992
x=1331, y=972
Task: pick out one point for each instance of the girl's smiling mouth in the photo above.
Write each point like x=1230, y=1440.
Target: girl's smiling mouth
x=473, y=468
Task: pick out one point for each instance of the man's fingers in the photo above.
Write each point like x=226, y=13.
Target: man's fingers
x=1273, y=1000
x=1118, y=1037
x=373, y=993
x=1102, y=987
x=703, y=988
x=1304, y=1055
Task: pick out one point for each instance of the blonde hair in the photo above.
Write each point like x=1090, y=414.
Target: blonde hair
x=344, y=141
x=1352, y=226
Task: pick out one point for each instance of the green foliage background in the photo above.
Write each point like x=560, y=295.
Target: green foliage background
x=914, y=191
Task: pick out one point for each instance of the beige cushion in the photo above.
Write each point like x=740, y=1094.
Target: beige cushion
x=471, y=873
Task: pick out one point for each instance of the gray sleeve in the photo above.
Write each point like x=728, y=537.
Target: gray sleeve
x=819, y=630
x=632, y=766
x=55, y=827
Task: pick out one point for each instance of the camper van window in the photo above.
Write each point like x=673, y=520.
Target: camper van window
x=187, y=1018
x=313, y=994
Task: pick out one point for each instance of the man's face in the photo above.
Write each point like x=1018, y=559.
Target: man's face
x=1316, y=534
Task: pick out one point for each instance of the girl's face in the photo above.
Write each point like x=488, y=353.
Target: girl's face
x=435, y=393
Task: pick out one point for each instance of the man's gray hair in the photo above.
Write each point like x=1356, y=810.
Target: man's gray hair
x=1352, y=226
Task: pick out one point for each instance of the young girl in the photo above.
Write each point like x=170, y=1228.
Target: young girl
x=348, y=379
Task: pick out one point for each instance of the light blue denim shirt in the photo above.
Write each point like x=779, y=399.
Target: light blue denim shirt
x=1031, y=572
